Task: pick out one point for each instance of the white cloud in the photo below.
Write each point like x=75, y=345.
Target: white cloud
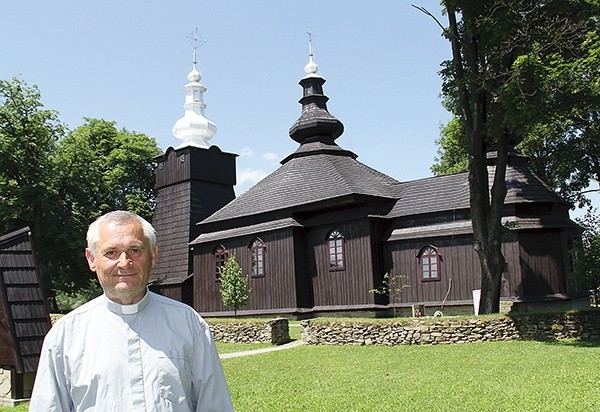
x=251, y=176
x=246, y=152
x=270, y=157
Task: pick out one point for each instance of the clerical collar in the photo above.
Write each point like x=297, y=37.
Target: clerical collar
x=127, y=309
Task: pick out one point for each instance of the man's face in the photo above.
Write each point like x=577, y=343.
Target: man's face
x=123, y=261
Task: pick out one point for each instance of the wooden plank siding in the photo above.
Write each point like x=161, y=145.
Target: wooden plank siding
x=348, y=287
x=192, y=184
x=273, y=290
x=171, y=222
x=460, y=269
x=542, y=261
x=24, y=317
x=193, y=163
x=535, y=267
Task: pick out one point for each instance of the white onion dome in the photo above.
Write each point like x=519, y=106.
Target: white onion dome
x=194, y=129
x=311, y=67
x=194, y=75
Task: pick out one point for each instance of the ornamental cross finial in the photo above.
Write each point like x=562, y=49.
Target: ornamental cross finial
x=196, y=41
x=310, y=37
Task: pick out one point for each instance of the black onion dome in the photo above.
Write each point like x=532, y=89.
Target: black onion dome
x=315, y=122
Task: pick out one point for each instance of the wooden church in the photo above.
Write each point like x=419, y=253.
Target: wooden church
x=319, y=233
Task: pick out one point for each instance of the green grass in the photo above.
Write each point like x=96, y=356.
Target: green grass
x=498, y=376
x=226, y=347
x=23, y=407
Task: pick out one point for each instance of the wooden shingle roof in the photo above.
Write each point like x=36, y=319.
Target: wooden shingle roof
x=315, y=176
x=320, y=171
x=24, y=317
x=451, y=192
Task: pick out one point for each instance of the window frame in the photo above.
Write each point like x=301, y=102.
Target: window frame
x=258, y=251
x=425, y=256
x=220, y=256
x=336, y=249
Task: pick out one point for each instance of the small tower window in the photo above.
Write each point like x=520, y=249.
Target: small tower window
x=337, y=256
x=221, y=255
x=257, y=250
x=429, y=263
x=196, y=95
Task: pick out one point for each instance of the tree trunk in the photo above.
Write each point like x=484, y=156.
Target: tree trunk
x=486, y=206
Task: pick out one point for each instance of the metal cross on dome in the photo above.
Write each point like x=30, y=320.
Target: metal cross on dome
x=310, y=38
x=196, y=41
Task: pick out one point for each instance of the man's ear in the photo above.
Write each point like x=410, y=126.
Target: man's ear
x=90, y=259
x=154, y=254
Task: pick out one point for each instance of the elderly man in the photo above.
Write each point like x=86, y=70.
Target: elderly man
x=129, y=349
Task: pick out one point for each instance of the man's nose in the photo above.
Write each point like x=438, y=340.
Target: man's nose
x=124, y=259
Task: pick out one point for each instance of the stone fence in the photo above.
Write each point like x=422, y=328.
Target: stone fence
x=550, y=326
x=274, y=331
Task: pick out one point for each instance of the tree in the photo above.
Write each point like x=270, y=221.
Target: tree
x=234, y=285
x=57, y=185
x=98, y=169
x=564, y=145
x=586, y=255
x=28, y=138
x=452, y=154
x=497, y=87
x=391, y=287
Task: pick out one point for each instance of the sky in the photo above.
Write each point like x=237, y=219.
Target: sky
x=127, y=61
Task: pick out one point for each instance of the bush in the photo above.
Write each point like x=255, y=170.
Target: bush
x=67, y=301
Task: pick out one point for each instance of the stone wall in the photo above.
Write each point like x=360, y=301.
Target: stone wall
x=551, y=326
x=274, y=331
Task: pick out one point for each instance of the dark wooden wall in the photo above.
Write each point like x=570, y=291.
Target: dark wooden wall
x=460, y=272
x=192, y=184
x=346, y=287
x=543, y=265
x=24, y=317
x=275, y=290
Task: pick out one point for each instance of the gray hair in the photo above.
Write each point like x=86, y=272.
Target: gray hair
x=119, y=217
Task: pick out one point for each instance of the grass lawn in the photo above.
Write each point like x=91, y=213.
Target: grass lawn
x=226, y=347
x=497, y=376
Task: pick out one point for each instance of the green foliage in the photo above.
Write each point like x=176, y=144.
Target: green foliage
x=452, y=156
x=586, y=255
x=28, y=136
x=58, y=184
x=515, y=65
x=67, y=301
x=233, y=285
x=391, y=287
x=548, y=97
x=119, y=162
x=98, y=169
x=28, y=139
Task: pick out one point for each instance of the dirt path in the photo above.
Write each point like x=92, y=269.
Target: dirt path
x=290, y=345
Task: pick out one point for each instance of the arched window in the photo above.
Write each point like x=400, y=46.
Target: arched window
x=257, y=250
x=429, y=263
x=221, y=255
x=337, y=256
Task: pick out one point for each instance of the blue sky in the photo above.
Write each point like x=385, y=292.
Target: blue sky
x=127, y=61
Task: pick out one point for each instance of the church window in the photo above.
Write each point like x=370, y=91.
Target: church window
x=257, y=250
x=337, y=256
x=221, y=255
x=429, y=263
